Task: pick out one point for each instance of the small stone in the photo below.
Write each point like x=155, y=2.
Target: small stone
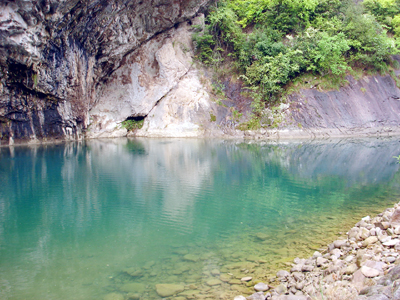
x=369, y=241
x=167, y=290
x=133, y=287
x=390, y=259
x=234, y=281
x=349, y=258
x=114, y=296
x=351, y=269
x=239, y=298
x=391, y=243
x=339, y=243
x=225, y=277
x=191, y=257
x=247, y=278
x=369, y=272
x=213, y=282
x=282, y=273
x=281, y=289
x=215, y=272
x=307, y=268
x=262, y=236
x=337, y=253
x=299, y=285
x=364, y=233
x=257, y=296
x=321, y=261
x=366, y=219
x=261, y=287
x=317, y=254
x=296, y=268
x=133, y=296
x=395, y=219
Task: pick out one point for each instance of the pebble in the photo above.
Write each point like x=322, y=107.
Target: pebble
x=261, y=287
x=348, y=266
x=282, y=273
x=369, y=272
x=213, y=282
x=248, y=278
x=390, y=243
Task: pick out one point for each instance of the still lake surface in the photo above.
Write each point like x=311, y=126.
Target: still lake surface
x=82, y=220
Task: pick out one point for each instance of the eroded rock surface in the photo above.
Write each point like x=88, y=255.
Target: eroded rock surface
x=58, y=61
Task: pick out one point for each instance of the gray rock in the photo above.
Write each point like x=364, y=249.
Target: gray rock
x=369, y=272
x=261, y=287
x=321, y=261
x=339, y=243
x=281, y=289
x=296, y=268
x=282, y=274
x=351, y=269
x=257, y=296
x=369, y=241
x=307, y=268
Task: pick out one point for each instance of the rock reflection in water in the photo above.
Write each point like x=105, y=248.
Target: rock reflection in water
x=82, y=220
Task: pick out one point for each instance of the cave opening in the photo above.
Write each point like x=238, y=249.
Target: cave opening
x=133, y=122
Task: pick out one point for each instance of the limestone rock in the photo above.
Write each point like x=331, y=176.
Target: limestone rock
x=261, y=287
x=370, y=240
x=247, y=278
x=282, y=273
x=395, y=219
x=369, y=272
x=256, y=296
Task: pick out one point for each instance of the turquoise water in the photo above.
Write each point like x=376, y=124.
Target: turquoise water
x=83, y=220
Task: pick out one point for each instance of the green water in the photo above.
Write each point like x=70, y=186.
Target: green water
x=76, y=218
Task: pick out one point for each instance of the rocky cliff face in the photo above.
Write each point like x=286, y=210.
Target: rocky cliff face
x=74, y=69
x=59, y=60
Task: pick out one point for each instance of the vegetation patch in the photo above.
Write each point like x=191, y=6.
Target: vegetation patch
x=278, y=46
x=133, y=123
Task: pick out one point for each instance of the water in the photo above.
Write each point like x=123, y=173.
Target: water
x=83, y=220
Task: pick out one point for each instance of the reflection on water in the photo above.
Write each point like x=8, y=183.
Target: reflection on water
x=81, y=220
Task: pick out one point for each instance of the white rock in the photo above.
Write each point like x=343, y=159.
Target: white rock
x=366, y=219
x=391, y=243
x=240, y=298
x=317, y=254
x=261, y=287
x=247, y=278
x=369, y=272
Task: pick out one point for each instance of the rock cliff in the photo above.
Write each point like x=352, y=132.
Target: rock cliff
x=78, y=69
x=60, y=60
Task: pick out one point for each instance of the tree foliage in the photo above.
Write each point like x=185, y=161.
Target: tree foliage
x=271, y=42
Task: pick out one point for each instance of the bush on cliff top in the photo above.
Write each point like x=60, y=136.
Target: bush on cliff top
x=272, y=42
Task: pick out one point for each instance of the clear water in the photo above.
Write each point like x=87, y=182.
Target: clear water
x=83, y=220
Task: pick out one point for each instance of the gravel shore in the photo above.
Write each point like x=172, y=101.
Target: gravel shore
x=363, y=266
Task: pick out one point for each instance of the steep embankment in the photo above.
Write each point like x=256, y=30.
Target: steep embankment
x=76, y=69
x=57, y=59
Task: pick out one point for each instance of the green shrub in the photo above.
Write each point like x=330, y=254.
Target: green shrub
x=132, y=123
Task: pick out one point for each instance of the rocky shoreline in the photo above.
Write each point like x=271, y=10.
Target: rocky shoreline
x=364, y=266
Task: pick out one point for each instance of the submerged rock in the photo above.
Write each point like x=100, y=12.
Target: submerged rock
x=167, y=290
x=114, y=296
